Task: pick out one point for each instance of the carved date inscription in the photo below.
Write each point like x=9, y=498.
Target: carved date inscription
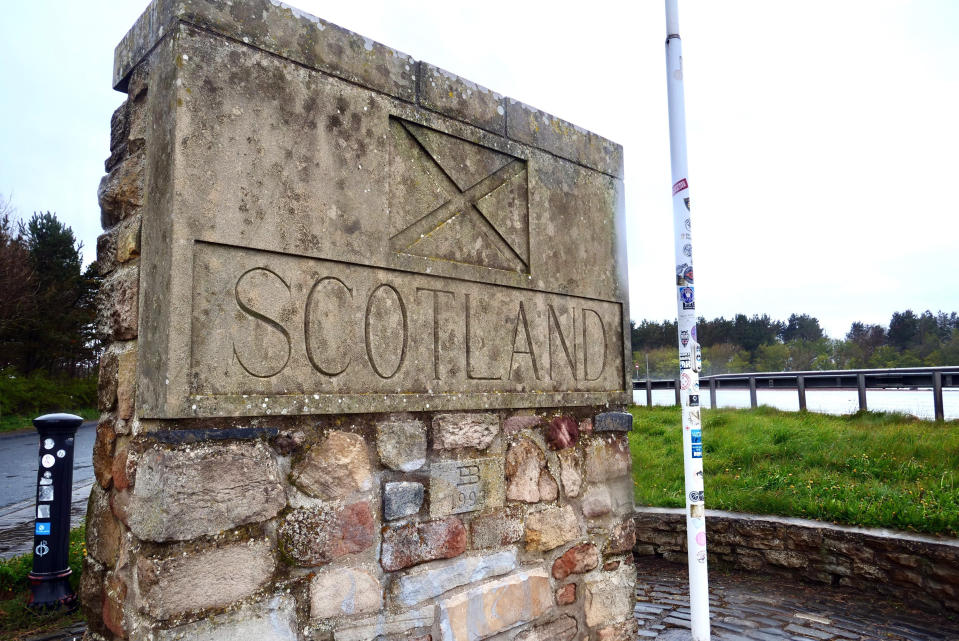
x=465, y=486
x=279, y=325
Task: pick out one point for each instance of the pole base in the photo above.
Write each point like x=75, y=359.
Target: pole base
x=51, y=593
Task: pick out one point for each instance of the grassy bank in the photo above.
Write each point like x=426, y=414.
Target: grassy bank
x=868, y=469
x=19, y=421
x=16, y=622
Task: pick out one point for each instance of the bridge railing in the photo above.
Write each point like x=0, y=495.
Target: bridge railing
x=935, y=378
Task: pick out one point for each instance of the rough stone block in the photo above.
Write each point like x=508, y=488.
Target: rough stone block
x=401, y=444
x=343, y=592
x=613, y=422
x=103, y=451
x=104, y=533
x=128, y=240
x=106, y=253
x=209, y=578
x=126, y=382
x=607, y=458
x=610, y=599
x=571, y=475
x=335, y=468
x=501, y=527
x=270, y=620
x=107, y=380
x=320, y=534
x=566, y=595
x=563, y=432
x=118, y=304
x=789, y=559
x=114, y=602
x=526, y=475
x=561, y=629
x=576, y=560
x=515, y=424
x=448, y=94
x=121, y=191
x=385, y=624
x=597, y=502
x=622, y=537
x=403, y=498
x=430, y=581
x=551, y=528
x=489, y=608
x=416, y=543
x=452, y=431
x=186, y=492
x=625, y=631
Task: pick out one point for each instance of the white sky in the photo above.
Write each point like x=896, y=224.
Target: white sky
x=823, y=135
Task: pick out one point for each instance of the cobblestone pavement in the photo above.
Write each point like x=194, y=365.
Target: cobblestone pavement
x=764, y=608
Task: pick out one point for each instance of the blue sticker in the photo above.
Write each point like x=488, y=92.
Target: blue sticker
x=687, y=298
x=697, y=450
x=696, y=436
x=42, y=529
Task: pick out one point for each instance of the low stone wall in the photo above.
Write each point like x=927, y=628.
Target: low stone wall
x=920, y=570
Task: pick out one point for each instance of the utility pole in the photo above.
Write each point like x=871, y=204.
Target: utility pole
x=689, y=362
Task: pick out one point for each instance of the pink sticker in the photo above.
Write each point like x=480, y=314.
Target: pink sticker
x=701, y=538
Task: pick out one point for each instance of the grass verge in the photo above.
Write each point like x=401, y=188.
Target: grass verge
x=18, y=422
x=868, y=469
x=16, y=622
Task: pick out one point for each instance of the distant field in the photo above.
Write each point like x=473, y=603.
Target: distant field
x=868, y=469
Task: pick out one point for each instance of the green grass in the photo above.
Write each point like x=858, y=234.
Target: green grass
x=17, y=422
x=16, y=621
x=868, y=469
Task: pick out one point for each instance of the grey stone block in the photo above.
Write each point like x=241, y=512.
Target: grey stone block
x=401, y=499
x=613, y=422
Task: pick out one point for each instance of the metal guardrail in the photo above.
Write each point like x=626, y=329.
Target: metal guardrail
x=859, y=379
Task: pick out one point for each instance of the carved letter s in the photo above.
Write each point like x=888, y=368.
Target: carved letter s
x=265, y=319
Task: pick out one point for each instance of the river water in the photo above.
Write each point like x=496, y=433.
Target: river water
x=907, y=401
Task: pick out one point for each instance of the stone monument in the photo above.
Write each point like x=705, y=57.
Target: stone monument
x=367, y=348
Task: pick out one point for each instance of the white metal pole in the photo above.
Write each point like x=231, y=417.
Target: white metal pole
x=690, y=359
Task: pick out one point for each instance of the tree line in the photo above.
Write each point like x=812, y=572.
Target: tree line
x=762, y=344
x=48, y=338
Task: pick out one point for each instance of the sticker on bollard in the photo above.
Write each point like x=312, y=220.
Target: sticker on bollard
x=49, y=581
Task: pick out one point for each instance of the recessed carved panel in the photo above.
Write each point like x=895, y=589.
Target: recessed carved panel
x=454, y=200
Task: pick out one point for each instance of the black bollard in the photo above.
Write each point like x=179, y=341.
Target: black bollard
x=50, y=580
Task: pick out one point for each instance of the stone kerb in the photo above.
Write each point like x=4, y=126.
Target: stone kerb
x=363, y=377
x=919, y=570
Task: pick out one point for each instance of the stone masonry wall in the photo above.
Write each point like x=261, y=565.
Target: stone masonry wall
x=922, y=571
x=469, y=518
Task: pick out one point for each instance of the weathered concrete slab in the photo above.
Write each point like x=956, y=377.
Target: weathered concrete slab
x=314, y=245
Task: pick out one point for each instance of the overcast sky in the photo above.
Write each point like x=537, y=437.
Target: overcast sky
x=823, y=135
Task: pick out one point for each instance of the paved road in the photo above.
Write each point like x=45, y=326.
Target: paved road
x=18, y=462
x=747, y=607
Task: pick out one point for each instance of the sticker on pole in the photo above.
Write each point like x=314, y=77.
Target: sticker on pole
x=42, y=549
x=684, y=274
x=687, y=297
x=680, y=185
x=43, y=529
x=696, y=437
x=693, y=400
x=697, y=450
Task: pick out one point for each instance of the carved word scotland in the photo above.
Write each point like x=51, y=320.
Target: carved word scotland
x=268, y=323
